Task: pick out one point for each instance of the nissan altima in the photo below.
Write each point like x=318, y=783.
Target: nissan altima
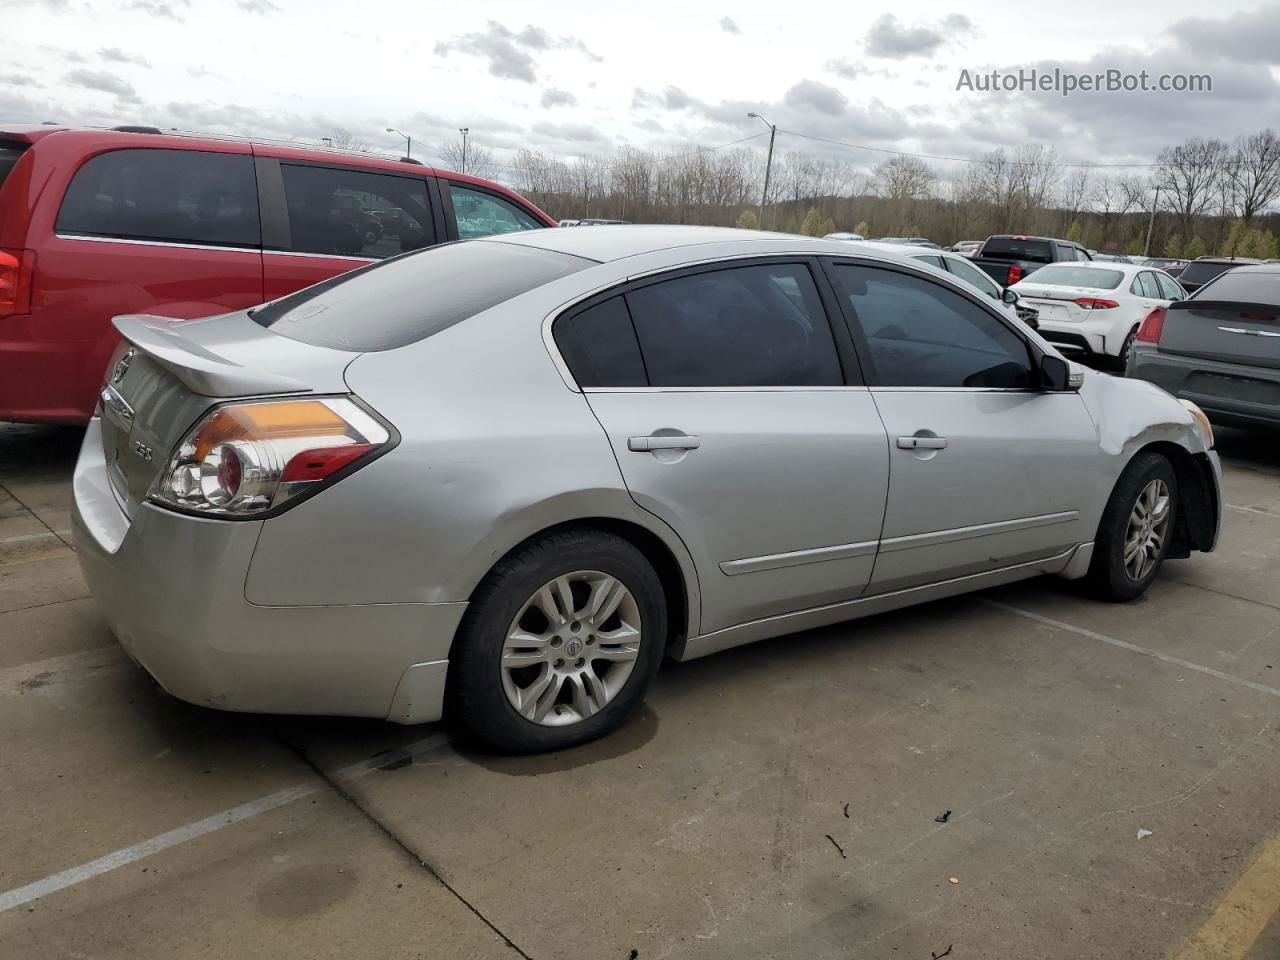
x=500, y=480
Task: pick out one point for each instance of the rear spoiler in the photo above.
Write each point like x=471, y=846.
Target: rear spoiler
x=1240, y=306
x=199, y=369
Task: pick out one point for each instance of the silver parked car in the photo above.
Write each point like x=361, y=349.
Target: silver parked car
x=502, y=479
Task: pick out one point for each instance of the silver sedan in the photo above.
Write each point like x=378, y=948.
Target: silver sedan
x=501, y=480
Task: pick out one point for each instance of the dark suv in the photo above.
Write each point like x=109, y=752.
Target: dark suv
x=97, y=223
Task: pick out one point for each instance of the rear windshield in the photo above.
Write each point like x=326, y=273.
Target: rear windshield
x=1011, y=248
x=9, y=154
x=1202, y=271
x=408, y=298
x=1069, y=276
x=1244, y=286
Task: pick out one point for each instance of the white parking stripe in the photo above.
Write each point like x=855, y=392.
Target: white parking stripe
x=245, y=811
x=1133, y=647
x=1258, y=510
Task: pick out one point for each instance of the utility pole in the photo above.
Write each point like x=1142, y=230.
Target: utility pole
x=408, y=141
x=768, y=166
x=1151, y=222
x=464, y=131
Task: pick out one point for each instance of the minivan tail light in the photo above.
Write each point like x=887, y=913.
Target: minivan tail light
x=246, y=459
x=1015, y=274
x=16, y=270
x=1151, y=328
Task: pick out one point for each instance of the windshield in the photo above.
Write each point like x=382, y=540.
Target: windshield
x=1015, y=248
x=410, y=297
x=1071, y=276
x=1202, y=271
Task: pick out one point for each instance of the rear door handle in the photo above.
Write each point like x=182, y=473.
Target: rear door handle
x=645, y=444
x=921, y=443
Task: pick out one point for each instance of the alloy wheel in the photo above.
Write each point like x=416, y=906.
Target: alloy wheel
x=571, y=648
x=1147, y=530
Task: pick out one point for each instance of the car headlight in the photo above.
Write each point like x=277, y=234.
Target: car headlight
x=1199, y=416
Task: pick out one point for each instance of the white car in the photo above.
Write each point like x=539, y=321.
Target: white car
x=959, y=266
x=1096, y=308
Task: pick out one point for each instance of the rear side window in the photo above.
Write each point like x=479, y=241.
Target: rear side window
x=1148, y=286
x=178, y=196
x=599, y=345
x=9, y=154
x=481, y=214
x=752, y=326
x=406, y=299
x=353, y=213
x=1012, y=248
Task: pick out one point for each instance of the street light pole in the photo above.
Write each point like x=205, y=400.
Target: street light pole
x=464, y=131
x=768, y=167
x=408, y=141
x=1151, y=222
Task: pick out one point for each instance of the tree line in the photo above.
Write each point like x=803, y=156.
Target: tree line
x=1211, y=197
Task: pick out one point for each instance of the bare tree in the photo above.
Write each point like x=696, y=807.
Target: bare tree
x=1188, y=175
x=903, y=178
x=1254, y=172
x=1113, y=197
x=344, y=139
x=474, y=160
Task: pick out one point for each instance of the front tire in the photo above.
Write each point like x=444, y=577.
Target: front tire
x=559, y=644
x=1137, y=524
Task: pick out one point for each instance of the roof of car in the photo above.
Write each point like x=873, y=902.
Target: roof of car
x=606, y=243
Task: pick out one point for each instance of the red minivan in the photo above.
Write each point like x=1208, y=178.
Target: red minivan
x=97, y=223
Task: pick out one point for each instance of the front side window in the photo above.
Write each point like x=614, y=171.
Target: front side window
x=482, y=214
x=921, y=334
x=1081, y=255
x=752, y=326
x=174, y=196
x=335, y=211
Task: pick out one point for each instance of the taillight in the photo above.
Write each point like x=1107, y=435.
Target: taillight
x=1015, y=274
x=1151, y=327
x=16, y=269
x=1093, y=303
x=244, y=459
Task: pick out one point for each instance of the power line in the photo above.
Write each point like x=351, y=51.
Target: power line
x=934, y=156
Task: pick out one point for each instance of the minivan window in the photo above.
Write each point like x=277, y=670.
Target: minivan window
x=760, y=325
x=9, y=154
x=338, y=211
x=599, y=346
x=921, y=334
x=415, y=296
x=481, y=214
x=177, y=196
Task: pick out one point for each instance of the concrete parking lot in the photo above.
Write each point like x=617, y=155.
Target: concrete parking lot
x=777, y=800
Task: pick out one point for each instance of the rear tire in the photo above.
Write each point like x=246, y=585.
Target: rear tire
x=559, y=644
x=1137, y=525
x=1122, y=361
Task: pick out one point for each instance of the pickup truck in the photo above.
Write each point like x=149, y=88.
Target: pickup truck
x=1007, y=258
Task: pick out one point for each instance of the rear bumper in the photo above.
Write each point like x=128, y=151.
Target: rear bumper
x=1094, y=337
x=172, y=588
x=1220, y=394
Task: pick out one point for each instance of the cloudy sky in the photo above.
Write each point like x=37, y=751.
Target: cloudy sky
x=582, y=76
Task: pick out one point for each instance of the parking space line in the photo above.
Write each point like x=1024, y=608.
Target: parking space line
x=1243, y=914
x=1258, y=510
x=1132, y=647
x=245, y=811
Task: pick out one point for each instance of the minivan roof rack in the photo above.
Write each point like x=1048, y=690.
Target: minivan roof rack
x=410, y=160
x=136, y=128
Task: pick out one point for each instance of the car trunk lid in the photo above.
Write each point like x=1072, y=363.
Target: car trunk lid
x=1231, y=331
x=1058, y=303
x=166, y=373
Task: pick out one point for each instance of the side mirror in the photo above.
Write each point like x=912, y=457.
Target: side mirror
x=1009, y=296
x=1055, y=374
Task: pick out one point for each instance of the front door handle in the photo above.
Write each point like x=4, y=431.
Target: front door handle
x=660, y=442
x=921, y=443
